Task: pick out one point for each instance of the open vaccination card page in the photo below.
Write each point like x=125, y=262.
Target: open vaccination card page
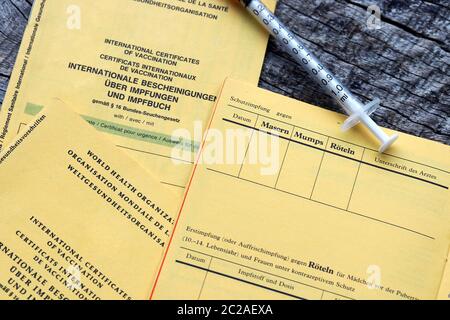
x=79, y=219
x=283, y=205
x=136, y=70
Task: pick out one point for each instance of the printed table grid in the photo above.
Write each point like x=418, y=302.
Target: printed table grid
x=318, y=192
x=209, y=270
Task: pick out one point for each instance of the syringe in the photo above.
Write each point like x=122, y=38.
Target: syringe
x=353, y=107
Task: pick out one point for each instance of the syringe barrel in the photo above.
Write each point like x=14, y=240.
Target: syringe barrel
x=309, y=62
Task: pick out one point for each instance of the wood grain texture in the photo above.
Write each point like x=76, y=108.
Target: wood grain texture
x=406, y=63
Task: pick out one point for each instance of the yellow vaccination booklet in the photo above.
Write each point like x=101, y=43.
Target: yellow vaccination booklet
x=79, y=219
x=135, y=69
x=296, y=209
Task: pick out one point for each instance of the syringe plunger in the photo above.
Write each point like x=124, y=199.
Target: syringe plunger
x=361, y=114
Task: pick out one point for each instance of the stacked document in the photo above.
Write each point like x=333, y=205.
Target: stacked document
x=134, y=166
x=88, y=218
x=296, y=209
x=135, y=70
x=77, y=216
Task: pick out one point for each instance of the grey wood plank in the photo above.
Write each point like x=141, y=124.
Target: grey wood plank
x=404, y=66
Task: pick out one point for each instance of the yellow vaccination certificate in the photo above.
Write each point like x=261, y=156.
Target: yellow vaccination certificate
x=79, y=219
x=297, y=209
x=136, y=70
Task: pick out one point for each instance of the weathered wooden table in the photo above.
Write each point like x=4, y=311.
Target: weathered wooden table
x=406, y=62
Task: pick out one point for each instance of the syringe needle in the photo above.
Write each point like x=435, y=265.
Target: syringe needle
x=353, y=107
